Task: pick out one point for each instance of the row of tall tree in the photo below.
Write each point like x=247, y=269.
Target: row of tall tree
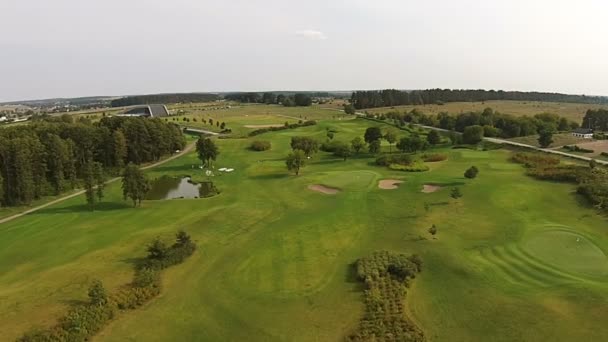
x=494, y=124
x=394, y=97
x=52, y=155
x=297, y=99
x=596, y=119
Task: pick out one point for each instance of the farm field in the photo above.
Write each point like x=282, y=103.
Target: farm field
x=572, y=111
x=515, y=259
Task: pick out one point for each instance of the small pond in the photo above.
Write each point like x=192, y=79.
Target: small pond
x=166, y=187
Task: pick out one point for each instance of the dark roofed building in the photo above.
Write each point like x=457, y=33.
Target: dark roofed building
x=585, y=133
x=151, y=110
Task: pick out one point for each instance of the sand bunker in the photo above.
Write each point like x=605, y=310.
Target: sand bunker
x=263, y=126
x=389, y=184
x=428, y=188
x=323, y=189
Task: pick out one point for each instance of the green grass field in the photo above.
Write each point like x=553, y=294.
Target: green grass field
x=515, y=259
x=572, y=111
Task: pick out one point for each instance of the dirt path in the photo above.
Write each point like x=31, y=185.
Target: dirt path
x=29, y=211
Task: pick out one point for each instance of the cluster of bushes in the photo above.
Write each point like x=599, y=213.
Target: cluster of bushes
x=83, y=321
x=260, y=145
x=592, y=181
x=287, y=126
x=386, y=277
x=576, y=148
x=389, y=159
x=416, y=166
x=433, y=157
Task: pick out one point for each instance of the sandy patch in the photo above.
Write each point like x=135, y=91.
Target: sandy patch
x=389, y=184
x=428, y=188
x=323, y=189
x=264, y=126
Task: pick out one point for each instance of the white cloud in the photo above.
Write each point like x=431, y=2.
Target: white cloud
x=311, y=34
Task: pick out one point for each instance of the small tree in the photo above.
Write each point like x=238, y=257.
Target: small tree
x=342, y=150
x=349, y=109
x=305, y=144
x=97, y=293
x=545, y=138
x=89, y=184
x=391, y=137
x=207, y=150
x=472, y=134
x=372, y=134
x=456, y=194
x=433, y=138
x=593, y=163
x=357, y=144
x=182, y=238
x=471, y=172
x=330, y=135
x=157, y=249
x=295, y=161
x=374, y=146
x=433, y=230
x=135, y=184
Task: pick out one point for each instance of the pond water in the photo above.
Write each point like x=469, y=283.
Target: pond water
x=166, y=187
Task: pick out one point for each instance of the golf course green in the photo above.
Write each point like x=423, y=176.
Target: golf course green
x=514, y=259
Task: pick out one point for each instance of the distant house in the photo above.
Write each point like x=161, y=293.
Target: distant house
x=151, y=110
x=584, y=133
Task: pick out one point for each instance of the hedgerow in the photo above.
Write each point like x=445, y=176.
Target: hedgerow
x=83, y=321
x=289, y=126
x=386, y=277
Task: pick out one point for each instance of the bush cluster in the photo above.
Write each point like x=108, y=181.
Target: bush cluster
x=416, y=166
x=576, y=148
x=260, y=145
x=434, y=157
x=83, y=321
x=388, y=159
x=288, y=126
x=386, y=277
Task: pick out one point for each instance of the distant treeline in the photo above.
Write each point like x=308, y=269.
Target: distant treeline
x=491, y=123
x=596, y=120
x=53, y=154
x=393, y=97
x=298, y=99
x=163, y=98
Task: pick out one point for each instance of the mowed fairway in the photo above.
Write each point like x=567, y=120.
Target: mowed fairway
x=515, y=259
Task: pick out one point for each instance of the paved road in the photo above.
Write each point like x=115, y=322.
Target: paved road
x=29, y=211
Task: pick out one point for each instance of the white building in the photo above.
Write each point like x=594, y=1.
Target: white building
x=584, y=133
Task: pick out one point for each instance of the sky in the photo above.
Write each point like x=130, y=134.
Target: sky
x=71, y=48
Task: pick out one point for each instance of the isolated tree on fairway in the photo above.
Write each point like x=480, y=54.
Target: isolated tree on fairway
x=433, y=138
x=357, y=144
x=545, y=138
x=207, y=151
x=97, y=293
x=433, y=230
x=135, y=184
x=374, y=146
x=305, y=144
x=100, y=181
x=391, y=137
x=342, y=150
x=471, y=172
x=295, y=161
x=120, y=149
x=372, y=134
x=330, y=135
x=456, y=194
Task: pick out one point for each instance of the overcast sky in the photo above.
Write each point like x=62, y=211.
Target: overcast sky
x=69, y=48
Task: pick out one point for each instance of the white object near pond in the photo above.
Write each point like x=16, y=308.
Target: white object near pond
x=222, y=169
x=229, y=170
x=209, y=173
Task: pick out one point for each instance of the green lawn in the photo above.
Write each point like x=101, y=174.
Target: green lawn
x=274, y=259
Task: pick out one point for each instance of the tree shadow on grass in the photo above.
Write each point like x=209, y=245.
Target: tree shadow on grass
x=99, y=207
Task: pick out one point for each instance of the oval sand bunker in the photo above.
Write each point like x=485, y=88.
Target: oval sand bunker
x=323, y=189
x=389, y=184
x=428, y=188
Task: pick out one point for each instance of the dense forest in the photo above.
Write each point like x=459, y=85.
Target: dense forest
x=297, y=99
x=163, y=98
x=393, y=97
x=596, y=120
x=53, y=154
x=493, y=124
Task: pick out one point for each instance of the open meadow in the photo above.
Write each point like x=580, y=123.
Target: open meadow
x=514, y=259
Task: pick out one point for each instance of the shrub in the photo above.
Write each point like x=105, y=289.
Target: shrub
x=388, y=159
x=471, y=172
x=417, y=166
x=575, y=148
x=260, y=145
x=434, y=157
